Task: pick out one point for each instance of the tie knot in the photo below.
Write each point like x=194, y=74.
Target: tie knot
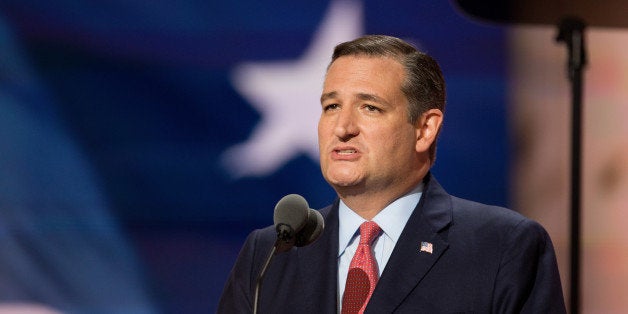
x=369, y=230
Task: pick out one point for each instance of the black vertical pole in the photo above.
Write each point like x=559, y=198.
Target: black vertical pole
x=571, y=31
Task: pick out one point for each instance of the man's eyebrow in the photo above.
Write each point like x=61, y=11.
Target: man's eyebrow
x=361, y=96
x=328, y=96
x=373, y=98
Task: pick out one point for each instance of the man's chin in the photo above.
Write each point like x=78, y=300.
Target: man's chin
x=343, y=177
x=346, y=186
x=343, y=180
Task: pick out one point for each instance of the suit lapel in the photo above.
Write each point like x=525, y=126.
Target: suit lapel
x=318, y=267
x=408, y=263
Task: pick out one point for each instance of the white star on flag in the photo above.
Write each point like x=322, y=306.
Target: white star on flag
x=287, y=96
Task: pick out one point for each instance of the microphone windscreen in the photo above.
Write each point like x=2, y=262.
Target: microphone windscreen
x=312, y=230
x=291, y=210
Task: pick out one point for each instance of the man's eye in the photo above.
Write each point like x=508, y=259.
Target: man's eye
x=372, y=108
x=330, y=107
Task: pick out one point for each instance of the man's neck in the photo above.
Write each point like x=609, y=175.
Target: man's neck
x=368, y=203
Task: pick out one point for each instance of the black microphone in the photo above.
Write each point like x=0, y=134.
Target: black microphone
x=296, y=224
x=312, y=230
x=291, y=215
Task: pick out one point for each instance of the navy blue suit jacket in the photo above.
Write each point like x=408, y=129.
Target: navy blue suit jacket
x=484, y=259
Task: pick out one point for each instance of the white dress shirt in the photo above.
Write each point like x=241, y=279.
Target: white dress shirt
x=392, y=219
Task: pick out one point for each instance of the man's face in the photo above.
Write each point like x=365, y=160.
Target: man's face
x=365, y=138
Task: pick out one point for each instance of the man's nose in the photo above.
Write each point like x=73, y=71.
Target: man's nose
x=346, y=126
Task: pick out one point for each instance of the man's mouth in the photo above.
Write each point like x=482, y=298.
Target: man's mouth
x=346, y=151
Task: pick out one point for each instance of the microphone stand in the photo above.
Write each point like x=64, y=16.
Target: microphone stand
x=571, y=31
x=285, y=241
x=260, y=278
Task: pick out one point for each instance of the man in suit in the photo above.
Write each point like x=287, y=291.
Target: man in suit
x=394, y=240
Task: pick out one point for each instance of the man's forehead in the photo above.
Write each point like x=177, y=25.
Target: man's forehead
x=364, y=65
x=362, y=57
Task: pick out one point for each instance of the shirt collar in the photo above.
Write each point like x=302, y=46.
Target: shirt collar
x=391, y=219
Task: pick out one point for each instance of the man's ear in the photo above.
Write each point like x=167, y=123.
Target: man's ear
x=427, y=128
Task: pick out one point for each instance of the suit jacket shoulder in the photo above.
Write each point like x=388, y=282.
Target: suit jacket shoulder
x=302, y=280
x=459, y=256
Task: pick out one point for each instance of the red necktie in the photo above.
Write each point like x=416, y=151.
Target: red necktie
x=363, y=272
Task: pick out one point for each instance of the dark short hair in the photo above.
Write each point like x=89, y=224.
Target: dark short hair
x=424, y=85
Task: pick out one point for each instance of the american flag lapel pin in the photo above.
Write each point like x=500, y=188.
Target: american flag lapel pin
x=427, y=247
